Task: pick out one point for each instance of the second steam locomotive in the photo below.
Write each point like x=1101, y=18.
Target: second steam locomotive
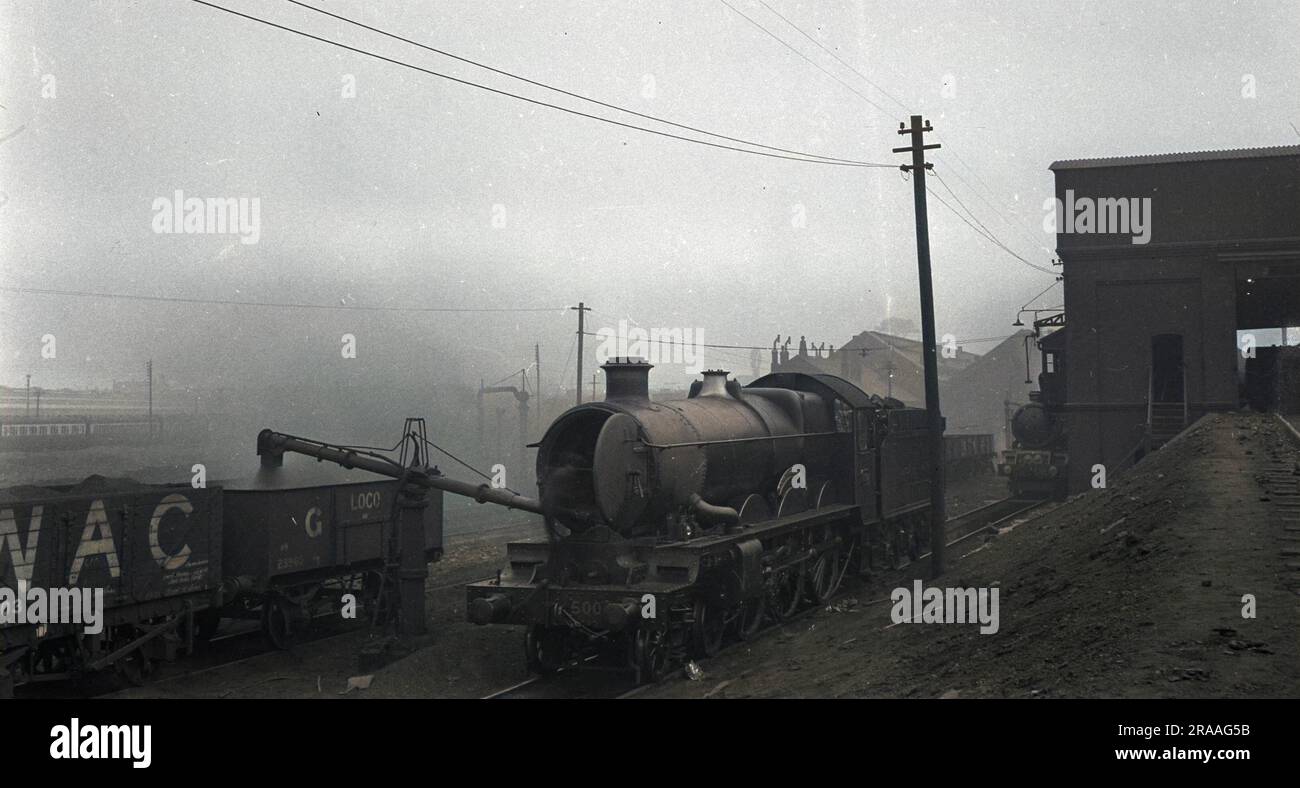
x=1037, y=463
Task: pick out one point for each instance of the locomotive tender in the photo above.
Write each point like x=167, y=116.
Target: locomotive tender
x=674, y=523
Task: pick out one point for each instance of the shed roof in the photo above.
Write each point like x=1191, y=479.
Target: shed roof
x=1177, y=158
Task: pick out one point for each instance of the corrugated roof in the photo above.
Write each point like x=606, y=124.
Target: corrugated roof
x=1178, y=158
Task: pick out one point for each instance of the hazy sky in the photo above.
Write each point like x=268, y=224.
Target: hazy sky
x=390, y=197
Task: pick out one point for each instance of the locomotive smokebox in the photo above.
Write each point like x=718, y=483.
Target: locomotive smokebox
x=1033, y=426
x=627, y=378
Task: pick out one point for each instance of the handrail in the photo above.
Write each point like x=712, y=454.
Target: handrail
x=1151, y=393
x=1124, y=463
x=1184, y=396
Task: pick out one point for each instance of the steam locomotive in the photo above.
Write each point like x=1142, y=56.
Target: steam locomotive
x=674, y=524
x=1037, y=463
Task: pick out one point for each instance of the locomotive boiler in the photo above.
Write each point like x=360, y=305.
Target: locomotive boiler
x=675, y=469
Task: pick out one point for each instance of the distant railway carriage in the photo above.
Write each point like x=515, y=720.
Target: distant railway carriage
x=74, y=432
x=968, y=455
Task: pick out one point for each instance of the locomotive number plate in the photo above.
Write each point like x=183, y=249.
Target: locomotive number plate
x=584, y=608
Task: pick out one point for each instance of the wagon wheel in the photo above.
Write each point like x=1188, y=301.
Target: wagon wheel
x=546, y=649
x=135, y=668
x=708, y=628
x=277, y=622
x=651, y=651
x=827, y=572
x=749, y=618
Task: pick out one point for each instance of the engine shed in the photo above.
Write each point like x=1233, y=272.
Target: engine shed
x=1179, y=269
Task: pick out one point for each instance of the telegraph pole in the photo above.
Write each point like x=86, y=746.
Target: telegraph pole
x=28, y=404
x=537, y=378
x=148, y=367
x=522, y=398
x=934, y=416
x=581, y=308
x=593, y=387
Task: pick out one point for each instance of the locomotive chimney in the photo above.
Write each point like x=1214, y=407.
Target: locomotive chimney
x=714, y=383
x=627, y=378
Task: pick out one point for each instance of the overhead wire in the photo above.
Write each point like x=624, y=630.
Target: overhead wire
x=536, y=102
x=562, y=91
x=893, y=98
x=807, y=59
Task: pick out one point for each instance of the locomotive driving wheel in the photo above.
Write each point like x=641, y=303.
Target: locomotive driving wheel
x=651, y=651
x=785, y=587
x=750, y=616
x=785, y=593
x=708, y=628
x=827, y=572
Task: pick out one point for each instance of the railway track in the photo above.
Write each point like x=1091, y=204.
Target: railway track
x=988, y=519
x=576, y=683
x=242, y=646
x=580, y=682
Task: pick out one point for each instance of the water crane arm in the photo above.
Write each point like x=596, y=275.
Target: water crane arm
x=272, y=445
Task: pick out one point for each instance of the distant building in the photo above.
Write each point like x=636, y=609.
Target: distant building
x=881, y=364
x=981, y=397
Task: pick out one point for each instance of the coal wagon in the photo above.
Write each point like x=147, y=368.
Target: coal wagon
x=129, y=573
x=295, y=546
